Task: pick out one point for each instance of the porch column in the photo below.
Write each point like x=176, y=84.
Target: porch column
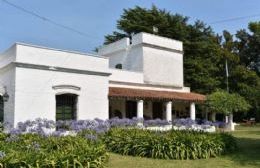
x=192, y=111
x=169, y=111
x=230, y=123
x=226, y=119
x=140, y=109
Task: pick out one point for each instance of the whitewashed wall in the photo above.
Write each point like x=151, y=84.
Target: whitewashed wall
x=162, y=67
x=35, y=96
x=31, y=88
x=59, y=58
x=156, y=40
x=159, y=58
x=126, y=76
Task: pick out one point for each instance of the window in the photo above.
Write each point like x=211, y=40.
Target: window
x=66, y=107
x=119, y=66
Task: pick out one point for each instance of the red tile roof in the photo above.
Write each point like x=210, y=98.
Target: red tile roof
x=154, y=94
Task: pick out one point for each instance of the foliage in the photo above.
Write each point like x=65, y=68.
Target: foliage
x=168, y=145
x=247, y=155
x=224, y=102
x=247, y=46
x=244, y=70
x=205, y=52
x=85, y=142
x=32, y=150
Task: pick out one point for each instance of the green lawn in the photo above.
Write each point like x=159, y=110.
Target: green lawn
x=247, y=156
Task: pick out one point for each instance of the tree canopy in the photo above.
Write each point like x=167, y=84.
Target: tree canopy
x=226, y=103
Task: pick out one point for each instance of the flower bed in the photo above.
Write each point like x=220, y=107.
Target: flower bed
x=44, y=143
x=168, y=145
x=33, y=150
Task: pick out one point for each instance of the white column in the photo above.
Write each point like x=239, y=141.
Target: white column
x=169, y=111
x=226, y=119
x=140, y=109
x=231, y=124
x=192, y=111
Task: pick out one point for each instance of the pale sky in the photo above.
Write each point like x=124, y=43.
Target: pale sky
x=97, y=18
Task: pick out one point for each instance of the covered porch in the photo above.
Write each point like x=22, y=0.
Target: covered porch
x=152, y=104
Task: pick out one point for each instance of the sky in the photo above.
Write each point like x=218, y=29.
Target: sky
x=97, y=18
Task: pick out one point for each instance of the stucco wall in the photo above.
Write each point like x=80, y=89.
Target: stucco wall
x=159, y=58
x=8, y=56
x=59, y=58
x=162, y=67
x=155, y=40
x=121, y=52
x=117, y=58
x=35, y=96
x=114, y=47
x=134, y=59
x=31, y=88
x=126, y=76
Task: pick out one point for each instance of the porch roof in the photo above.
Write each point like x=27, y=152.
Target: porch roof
x=130, y=93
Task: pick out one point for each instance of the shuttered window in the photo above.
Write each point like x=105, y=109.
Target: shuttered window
x=66, y=107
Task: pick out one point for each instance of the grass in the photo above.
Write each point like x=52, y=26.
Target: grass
x=247, y=156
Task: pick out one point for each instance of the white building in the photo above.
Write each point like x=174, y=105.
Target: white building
x=142, y=78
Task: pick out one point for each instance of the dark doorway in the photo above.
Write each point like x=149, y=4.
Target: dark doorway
x=131, y=109
x=66, y=107
x=1, y=109
x=157, y=110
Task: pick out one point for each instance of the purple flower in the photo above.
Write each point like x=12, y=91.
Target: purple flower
x=187, y=122
x=15, y=131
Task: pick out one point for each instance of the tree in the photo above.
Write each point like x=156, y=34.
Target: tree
x=248, y=46
x=226, y=103
x=243, y=80
x=202, y=58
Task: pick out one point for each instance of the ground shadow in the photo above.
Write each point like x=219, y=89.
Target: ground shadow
x=248, y=152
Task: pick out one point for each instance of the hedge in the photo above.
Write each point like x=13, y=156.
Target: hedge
x=168, y=145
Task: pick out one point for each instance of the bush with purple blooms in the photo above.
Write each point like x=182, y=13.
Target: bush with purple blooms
x=84, y=143
x=188, y=123
x=33, y=150
x=48, y=127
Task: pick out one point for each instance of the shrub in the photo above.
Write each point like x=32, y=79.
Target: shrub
x=32, y=150
x=168, y=145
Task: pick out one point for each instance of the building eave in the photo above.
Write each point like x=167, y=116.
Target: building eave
x=130, y=93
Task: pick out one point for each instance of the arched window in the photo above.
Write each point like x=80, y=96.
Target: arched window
x=66, y=107
x=1, y=109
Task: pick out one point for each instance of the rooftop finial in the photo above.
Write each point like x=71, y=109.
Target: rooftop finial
x=155, y=30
